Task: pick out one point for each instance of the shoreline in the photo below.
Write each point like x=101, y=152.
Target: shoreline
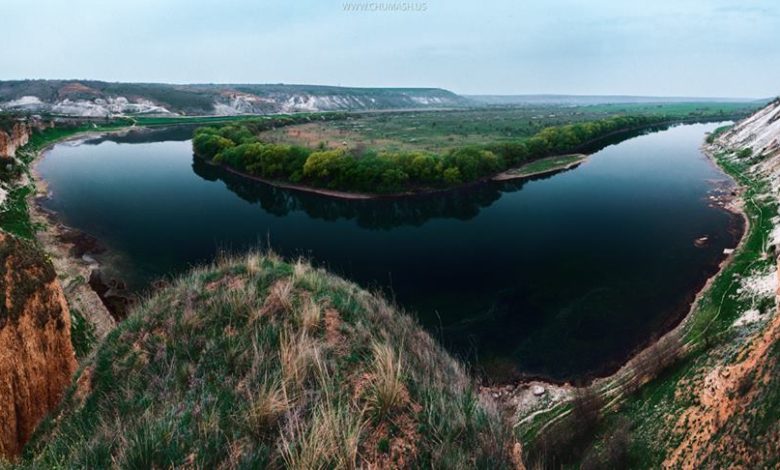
x=503, y=176
x=524, y=396
x=513, y=174
x=506, y=175
x=56, y=239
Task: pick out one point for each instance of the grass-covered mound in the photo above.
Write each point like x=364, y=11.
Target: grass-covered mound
x=257, y=363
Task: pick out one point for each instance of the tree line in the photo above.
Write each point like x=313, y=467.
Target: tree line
x=369, y=170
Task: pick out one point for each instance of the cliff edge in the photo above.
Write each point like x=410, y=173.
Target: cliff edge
x=36, y=356
x=13, y=136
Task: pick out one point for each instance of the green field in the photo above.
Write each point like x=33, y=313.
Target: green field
x=413, y=152
x=436, y=131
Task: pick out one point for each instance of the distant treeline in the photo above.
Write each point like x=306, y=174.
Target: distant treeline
x=367, y=170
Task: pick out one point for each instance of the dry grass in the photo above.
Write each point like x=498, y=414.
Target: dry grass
x=267, y=405
x=311, y=315
x=298, y=353
x=329, y=441
x=259, y=371
x=386, y=391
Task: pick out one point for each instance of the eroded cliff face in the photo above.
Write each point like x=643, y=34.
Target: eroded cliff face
x=726, y=409
x=13, y=138
x=759, y=132
x=36, y=355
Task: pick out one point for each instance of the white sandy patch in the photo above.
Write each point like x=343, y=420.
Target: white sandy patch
x=760, y=285
x=774, y=235
x=759, y=132
x=24, y=101
x=750, y=316
x=3, y=195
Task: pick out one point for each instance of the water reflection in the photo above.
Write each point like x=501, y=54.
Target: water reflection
x=382, y=213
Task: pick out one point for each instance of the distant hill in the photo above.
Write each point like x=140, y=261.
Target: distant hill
x=596, y=99
x=96, y=98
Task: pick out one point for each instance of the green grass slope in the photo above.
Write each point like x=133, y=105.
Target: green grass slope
x=258, y=363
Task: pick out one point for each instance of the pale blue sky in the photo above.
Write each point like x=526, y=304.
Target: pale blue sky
x=670, y=48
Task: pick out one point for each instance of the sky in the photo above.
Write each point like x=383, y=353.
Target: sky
x=723, y=48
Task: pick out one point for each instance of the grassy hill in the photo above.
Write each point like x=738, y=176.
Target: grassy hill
x=258, y=363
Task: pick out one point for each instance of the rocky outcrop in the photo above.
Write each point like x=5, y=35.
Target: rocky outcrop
x=36, y=355
x=759, y=132
x=97, y=99
x=15, y=136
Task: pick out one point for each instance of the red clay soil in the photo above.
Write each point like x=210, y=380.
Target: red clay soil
x=36, y=355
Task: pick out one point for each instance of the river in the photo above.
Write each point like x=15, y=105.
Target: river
x=562, y=276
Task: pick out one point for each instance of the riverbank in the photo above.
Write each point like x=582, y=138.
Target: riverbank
x=539, y=167
x=674, y=401
x=23, y=217
x=542, y=166
x=71, y=256
x=71, y=251
x=539, y=405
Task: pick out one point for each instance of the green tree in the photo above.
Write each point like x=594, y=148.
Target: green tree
x=208, y=145
x=452, y=176
x=324, y=165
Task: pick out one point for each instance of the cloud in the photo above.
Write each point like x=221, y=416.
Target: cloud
x=682, y=47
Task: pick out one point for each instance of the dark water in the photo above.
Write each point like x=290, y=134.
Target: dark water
x=562, y=276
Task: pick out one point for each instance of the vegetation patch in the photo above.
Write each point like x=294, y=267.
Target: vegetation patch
x=369, y=170
x=441, y=131
x=258, y=363
x=24, y=272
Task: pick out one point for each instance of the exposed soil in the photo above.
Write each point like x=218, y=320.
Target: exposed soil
x=36, y=355
x=721, y=394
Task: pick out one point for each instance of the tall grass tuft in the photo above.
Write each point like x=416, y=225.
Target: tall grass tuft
x=386, y=390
